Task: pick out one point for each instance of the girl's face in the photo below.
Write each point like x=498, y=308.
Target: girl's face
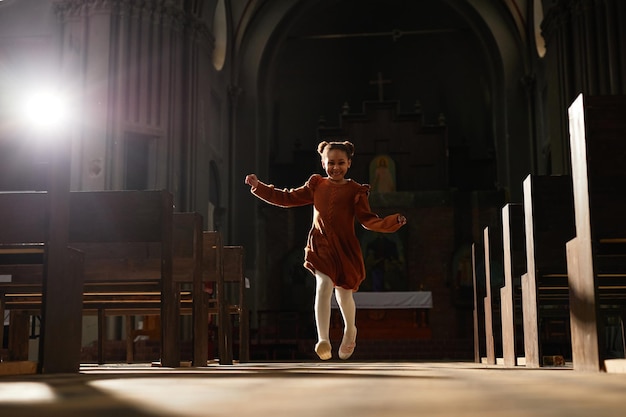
x=336, y=163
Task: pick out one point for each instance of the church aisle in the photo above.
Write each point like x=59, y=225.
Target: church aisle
x=313, y=389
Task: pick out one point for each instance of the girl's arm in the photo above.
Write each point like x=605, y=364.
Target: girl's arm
x=300, y=196
x=372, y=221
x=252, y=180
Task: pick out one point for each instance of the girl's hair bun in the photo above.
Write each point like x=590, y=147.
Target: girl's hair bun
x=347, y=147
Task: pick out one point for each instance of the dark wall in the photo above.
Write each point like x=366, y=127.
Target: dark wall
x=432, y=62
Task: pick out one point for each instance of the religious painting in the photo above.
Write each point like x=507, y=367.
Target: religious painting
x=382, y=174
x=463, y=276
x=385, y=262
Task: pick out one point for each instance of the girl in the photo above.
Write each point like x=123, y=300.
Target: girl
x=332, y=253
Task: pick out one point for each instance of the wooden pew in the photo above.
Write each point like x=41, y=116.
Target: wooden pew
x=25, y=218
x=213, y=277
x=493, y=253
x=598, y=157
x=188, y=250
x=514, y=262
x=478, y=282
x=234, y=276
x=222, y=265
x=187, y=274
x=126, y=238
x=549, y=224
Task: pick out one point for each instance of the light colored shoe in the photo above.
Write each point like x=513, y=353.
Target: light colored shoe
x=347, y=346
x=324, y=350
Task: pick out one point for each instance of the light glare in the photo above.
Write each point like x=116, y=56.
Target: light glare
x=43, y=110
x=26, y=392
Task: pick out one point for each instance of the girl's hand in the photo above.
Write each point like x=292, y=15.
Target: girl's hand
x=252, y=180
x=401, y=219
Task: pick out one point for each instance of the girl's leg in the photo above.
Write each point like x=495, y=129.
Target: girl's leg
x=345, y=300
x=323, y=293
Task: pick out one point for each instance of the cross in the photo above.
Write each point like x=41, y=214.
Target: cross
x=380, y=83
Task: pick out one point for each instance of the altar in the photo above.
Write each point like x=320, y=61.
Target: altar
x=387, y=315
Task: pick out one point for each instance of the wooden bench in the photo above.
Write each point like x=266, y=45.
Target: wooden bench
x=25, y=217
x=223, y=266
x=187, y=276
x=596, y=257
x=514, y=263
x=188, y=250
x=493, y=253
x=549, y=224
x=478, y=312
x=534, y=287
x=126, y=239
x=234, y=277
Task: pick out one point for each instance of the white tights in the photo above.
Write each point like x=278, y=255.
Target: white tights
x=323, y=294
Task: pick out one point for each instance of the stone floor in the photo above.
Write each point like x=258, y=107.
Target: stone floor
x=316, y=389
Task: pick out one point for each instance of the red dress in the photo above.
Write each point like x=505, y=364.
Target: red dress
x=332, y=246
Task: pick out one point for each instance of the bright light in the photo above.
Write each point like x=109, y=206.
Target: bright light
x=26, y=392
x=44, y=110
